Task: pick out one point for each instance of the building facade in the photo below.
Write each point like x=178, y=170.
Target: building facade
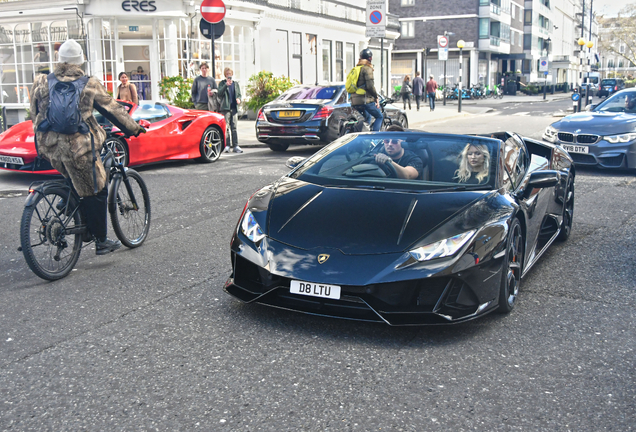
x=502, y=38
x=311, y=41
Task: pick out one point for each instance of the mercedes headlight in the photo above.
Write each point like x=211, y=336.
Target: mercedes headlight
x=622, y=138
x=442, y=248
x=550, y=134
x=250, y=227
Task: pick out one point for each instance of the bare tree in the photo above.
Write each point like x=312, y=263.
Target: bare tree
x=619, y=34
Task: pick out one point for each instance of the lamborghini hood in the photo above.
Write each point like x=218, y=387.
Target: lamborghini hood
x=359, y=221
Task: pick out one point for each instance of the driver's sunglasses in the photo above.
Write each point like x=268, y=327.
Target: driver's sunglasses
x=391, y=141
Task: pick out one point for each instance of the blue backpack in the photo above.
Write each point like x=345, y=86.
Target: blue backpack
x=64, y=115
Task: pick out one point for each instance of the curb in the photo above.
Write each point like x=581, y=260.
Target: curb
x=12, y=193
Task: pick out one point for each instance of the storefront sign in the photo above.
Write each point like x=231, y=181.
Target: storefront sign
x=139, y=6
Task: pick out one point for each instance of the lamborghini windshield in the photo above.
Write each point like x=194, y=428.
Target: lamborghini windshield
x=425, y=161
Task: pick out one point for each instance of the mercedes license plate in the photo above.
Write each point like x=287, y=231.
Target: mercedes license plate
x=315, y=290
x=289, y=114
x=575, y=148
x=11, y=160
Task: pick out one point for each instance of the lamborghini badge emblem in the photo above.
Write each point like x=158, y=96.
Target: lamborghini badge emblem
x=322, y=258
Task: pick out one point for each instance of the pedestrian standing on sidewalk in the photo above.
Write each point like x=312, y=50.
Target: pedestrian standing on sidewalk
x=431, y=88
x=203, y=87
x=418, y=89
x=406, y=91
x=230, y=99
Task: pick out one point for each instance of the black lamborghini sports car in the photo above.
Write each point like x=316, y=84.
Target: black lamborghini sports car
x=342, y=236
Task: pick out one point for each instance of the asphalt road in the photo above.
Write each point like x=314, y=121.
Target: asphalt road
x=146, y=339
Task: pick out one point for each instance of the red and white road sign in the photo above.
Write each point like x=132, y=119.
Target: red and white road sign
x=442, y=41
x=213, y=11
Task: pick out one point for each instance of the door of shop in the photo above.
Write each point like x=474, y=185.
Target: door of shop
x=141, y=67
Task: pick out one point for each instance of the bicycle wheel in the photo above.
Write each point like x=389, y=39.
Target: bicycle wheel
x=131, y=223
x=51, y=241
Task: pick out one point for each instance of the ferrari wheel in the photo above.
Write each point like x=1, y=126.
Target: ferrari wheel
x=568, y=210
x=511, y=269
x=211, y=145
x=119, y=148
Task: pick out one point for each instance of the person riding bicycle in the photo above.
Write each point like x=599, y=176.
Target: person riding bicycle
x=72, y=155
x=367, y=103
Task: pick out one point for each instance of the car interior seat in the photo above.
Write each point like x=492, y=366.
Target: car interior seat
x=420, y=148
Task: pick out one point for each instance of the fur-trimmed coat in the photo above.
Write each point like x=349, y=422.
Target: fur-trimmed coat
x=71, y=155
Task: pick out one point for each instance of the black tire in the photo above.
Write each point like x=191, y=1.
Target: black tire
x=49, y=252
x=278, y=147
x=119, y=147
x=511, y=269
x=568, y=211
x=211, y=145
x=404, y=122
x=131, y=225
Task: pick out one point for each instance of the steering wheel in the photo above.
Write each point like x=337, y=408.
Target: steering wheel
x=388, y=169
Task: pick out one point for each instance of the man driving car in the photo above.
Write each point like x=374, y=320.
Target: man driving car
x=406, y=163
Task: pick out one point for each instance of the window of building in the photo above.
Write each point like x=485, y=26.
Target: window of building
x=339, y=61
x=350, y=56
x=513, y=11
x=504, y=32
x=326, y=60
x=527, y=42
x=621, y=49
x=526, y=66
x=484, y=28
x=484, y=2
x=311, y=59
x=527, y=17
x=296, y=67
x=407, y=29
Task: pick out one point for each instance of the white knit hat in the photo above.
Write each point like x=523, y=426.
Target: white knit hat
x=71, y=52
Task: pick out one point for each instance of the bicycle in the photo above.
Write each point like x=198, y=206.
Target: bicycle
x=52, y=234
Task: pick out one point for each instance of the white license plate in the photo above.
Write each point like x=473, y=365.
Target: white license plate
x=315, y=289
x=576, y=149
x=11, y=160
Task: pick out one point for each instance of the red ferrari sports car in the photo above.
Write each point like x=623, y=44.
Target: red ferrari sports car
x=172, y=133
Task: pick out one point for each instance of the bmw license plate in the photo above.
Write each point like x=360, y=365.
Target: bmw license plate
x=11, y=160
x=315, y=290
x=289, y=114
x=575, y=148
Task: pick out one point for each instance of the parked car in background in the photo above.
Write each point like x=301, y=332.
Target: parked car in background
x=342, y=236
x=610, y=86
x=172, y=133
x=310, y=114
x=604, y=136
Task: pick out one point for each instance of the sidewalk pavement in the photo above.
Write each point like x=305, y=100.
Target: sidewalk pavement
x=419, y=119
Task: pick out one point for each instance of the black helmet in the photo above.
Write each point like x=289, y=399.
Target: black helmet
x=366, y=54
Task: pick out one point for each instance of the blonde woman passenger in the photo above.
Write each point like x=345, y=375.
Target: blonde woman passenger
x=474, y=165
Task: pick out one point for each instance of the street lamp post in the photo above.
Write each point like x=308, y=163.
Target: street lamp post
x=589, y=46
x=446, y=33
x=581, y=43
x=460, y=45
x=547, y=52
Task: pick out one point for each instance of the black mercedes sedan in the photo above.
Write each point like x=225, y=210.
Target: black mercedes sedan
x=310, y=114
x=345, y=235
x=604, y=136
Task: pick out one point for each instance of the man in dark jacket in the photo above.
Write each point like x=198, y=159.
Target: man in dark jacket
x=203, y=87
x=230, y=97
x=72, y=155
x=418, y=88
x=367, y=103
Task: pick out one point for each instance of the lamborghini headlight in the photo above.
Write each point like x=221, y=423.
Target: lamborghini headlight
x=622, y=138
x=550, y=134
x=250, y=227
x=442, y=248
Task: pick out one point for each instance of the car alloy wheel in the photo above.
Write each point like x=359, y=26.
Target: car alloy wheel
x=568, y=211
x=511, y=269
x=119, y=150
x=211, y=145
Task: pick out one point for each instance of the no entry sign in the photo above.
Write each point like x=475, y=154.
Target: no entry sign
x=213, y=11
